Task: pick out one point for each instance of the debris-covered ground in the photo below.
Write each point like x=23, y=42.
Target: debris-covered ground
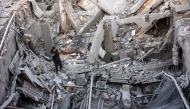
x=116, y=54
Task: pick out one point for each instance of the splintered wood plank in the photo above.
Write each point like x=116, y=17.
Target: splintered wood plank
x=146, y=4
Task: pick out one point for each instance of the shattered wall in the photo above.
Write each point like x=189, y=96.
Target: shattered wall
x=7, y=54
x=105, y=62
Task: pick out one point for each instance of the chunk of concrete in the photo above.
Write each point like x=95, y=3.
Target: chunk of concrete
x=144, y=20
x=47, y=37
x=27, y=74
x=107, y=57
x=182, y=7
x=111, y=6
x=127, y=53
x=55, y=6
x=108, y=42
x=4, y=21
x=98, y=38
x=101, y=52
x=72, y=16
x=63, y=18
x=42, y=6
x=126, y=96
x=49, y=14
x=113, y=97
x=98, y=14
x=114, y=25
x=80, y=81
x=118, y=98
x=37, y=11
x=87, y=5
x=105, y=96
x=115, y=56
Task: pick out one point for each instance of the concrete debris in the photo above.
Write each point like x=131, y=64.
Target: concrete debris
x=136, y=6
x=116, y=54
x=37, y=11
x=112, y=7
x=96, y=45
x=152, y=6
x=182, y=7
x=73, y=17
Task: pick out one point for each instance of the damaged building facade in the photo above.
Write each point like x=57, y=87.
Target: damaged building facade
x=116, y=54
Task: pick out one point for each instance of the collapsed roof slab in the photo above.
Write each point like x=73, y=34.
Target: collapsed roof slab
x=111, y=6
x=97, y=16
x=144, y=20
x=98, y=38
x=72, y=16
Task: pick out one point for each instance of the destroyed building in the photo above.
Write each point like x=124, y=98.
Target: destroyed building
x=116, y=54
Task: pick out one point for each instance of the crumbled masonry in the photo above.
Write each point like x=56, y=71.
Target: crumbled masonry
x=116, y=54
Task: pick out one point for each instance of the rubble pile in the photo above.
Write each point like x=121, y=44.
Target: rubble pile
x=116, y=54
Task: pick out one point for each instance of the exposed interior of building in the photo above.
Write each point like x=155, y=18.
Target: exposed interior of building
x=94, y=54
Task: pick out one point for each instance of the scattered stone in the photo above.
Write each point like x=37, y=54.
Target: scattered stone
x=105, y=96
x=112, y=97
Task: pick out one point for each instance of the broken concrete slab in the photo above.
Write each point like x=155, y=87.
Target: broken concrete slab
x=55, y=6
x=111, y=6
x=182, y=7
x=72, y=16
x=126, y=96
x=4, y=15
x=37, y=11
x=102, y=52
x=46, y=86
x=34, y=93
x=98, y=38
x=144, y=20
x=49, y=14
x=115, y=56
x=108, y=42
x=105, y=96
x=47, y=37
x=114, y=25
x=4, y=21
x=118, y=98
x=87, y=5
x=127, y=53
x=42, y=6
x=27, y=74
x=153, y=66
x=98, y=14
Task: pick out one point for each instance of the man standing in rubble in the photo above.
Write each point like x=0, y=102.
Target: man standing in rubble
x=56, y=59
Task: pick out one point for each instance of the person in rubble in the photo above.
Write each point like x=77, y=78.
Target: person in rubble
x=56, y=58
